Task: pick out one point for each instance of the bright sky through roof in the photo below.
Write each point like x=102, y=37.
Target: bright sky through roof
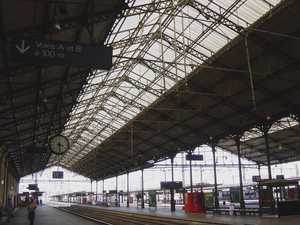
x=153, y=49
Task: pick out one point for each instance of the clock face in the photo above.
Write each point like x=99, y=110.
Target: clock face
x=59, y=144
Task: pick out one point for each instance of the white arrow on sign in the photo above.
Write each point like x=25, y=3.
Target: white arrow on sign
x=22, y=49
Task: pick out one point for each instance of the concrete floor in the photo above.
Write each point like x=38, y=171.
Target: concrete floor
x=48, y=216
x=240, y=220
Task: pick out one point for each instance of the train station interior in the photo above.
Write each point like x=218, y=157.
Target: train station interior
x=149, y=112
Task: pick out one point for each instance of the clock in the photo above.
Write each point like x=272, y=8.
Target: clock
x=59, y=144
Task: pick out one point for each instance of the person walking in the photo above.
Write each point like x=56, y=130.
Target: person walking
x=31, y=211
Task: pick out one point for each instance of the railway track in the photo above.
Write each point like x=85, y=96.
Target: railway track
x=113, y=217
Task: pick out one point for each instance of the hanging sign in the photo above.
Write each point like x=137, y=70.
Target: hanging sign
x=256, y=178
x=280, y=177
x=50, y=52
x=32, y=187
x=171, y=185
x=57, y=174
x=194, y=157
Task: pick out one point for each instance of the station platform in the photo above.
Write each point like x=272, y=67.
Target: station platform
x=223, y=219
x=48, y=216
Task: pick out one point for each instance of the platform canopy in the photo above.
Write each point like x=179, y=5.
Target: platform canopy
x=283, y=140
x=184, y=71
x=36, y=99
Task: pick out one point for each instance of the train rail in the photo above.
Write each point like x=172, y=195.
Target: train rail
x=113, y=217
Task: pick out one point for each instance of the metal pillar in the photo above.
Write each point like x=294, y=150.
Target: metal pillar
x=183, y=177
x=191, y=177
x=266, y=136
x=258, y=167
x=103, y=191
x=117, y=195
x=96, y=191
x=213, y=147
x=201, y=180
x=91, y=186
x=238, y=146
x=5, y=181
x=265, y=128
x=191, y=173
x=2, y=176
x=172, y=189
x=127, y=189
x=143, y=203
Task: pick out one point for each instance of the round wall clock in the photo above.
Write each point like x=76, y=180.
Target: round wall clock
x=59, y=144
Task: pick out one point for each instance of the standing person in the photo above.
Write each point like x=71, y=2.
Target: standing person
x=9, y=209
x=31, y=211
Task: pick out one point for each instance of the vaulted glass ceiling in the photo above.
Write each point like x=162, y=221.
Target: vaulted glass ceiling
x=155, y=44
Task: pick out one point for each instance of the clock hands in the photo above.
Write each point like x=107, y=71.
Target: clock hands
x=59, y=144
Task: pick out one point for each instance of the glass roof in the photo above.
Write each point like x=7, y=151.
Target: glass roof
x=155, y=44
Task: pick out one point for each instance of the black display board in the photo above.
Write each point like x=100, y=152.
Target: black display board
x=170, y=185
x=58, y=175
x=194, y=157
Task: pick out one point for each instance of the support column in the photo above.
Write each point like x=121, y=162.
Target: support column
x=91, y=186
x=216, y=195
x=172, y=189
x=266, y=136
x=265, y=127
x=5, y=181
x=103, y=198
x=96, y=190
x=143, y=202
x=270, y=189
x=238, y=146
x=191, y=177
x=127, y=189
x=117, y=195
x=191, y=173
x=2, y=177
x=259, y=172
x=201, y=180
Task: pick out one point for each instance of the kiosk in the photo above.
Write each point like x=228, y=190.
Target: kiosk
x=279, y=196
